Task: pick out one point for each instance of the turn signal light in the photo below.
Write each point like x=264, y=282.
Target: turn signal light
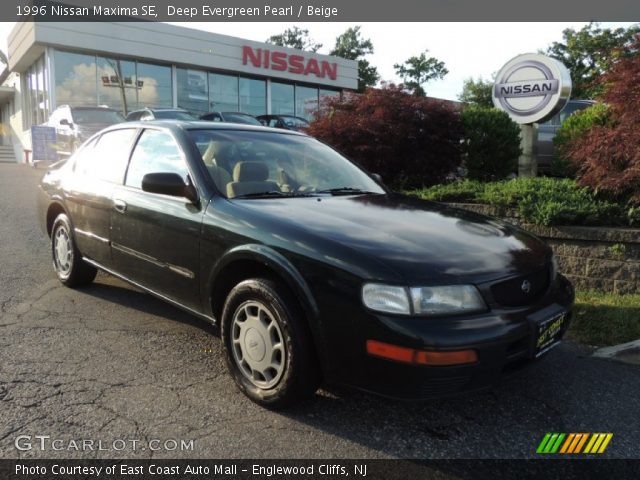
x=420, y=357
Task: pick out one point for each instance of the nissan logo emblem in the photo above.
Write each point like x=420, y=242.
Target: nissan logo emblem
x=526, y=286
x=532, y=88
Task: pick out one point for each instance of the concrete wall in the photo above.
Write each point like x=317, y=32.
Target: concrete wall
x=598, y=258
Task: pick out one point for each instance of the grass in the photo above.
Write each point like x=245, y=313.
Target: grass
x=603, y=319
x=540, y=200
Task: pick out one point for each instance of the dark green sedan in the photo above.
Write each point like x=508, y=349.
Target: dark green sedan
x=311, y=268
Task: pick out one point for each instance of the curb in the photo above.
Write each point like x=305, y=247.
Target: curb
x=625, y=352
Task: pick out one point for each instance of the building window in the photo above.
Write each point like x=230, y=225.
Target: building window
x=75, y=76
x=282, y=99
x=193, y=92
x=35, y=94
x=223, y=93
x=153, y=84
x=117, y=84
x=306, y=101
x=253, y=96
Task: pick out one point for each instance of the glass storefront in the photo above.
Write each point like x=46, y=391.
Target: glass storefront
x=223, y=92
x=127, y=85
x=36, y=94
x=253, y=96
x=282, y=99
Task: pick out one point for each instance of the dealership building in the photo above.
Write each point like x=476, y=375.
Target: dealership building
x=131, y=65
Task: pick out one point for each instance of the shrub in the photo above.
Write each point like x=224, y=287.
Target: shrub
x=543, y=201
x=608, y=156
x=573, y=128
x=411, y=141
x=491, y=144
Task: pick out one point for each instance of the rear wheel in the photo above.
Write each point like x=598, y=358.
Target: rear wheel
x=268, y=346
x=71, y=270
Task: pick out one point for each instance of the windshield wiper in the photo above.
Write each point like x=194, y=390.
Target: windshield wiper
x=345, y=191
x=272, y=193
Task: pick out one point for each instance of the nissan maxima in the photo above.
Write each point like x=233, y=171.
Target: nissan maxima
x=312, y=269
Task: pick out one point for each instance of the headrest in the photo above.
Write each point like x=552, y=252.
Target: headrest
x=250, y=172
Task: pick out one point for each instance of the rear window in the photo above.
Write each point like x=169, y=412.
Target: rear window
x=107, y=117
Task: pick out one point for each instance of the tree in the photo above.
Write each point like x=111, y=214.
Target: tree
x=295, y=38
x=491, y=145
x=411, y=141
x=590, y=52
x=416, y=71
x=352, y=46
x=477, y=92
x=607, y=157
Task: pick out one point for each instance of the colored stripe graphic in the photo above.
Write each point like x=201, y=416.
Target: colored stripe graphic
x=573, y=443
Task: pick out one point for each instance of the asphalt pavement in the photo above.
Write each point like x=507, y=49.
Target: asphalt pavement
x=110, y=364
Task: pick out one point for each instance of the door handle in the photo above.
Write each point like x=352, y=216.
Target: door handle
x=120, y=205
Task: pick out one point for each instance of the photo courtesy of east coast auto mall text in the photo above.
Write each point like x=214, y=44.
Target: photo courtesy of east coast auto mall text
x=276, y=240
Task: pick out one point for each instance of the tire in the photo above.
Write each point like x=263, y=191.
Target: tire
x=71, y=270
x=268, y=346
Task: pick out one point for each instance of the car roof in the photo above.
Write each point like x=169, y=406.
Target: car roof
x=173, y=124
x=97, y=107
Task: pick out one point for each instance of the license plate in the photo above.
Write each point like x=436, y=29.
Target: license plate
x=549, y=333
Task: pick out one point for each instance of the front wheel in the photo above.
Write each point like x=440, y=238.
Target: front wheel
x=268, y=345
x=71, y=270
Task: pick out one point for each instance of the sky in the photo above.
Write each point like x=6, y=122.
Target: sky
x=467, y=49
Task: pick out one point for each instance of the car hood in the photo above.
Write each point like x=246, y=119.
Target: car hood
x=419, y=240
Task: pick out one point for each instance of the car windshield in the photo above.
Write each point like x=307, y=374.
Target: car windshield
x=295, y=122
x=247, y=164
x=103, y=116
x=173, y=114
x=240, y=118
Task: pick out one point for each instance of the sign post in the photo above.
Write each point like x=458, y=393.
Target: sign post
x=43, y=143
x=531, y=88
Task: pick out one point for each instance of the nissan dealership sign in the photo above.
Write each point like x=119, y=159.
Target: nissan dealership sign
x=532, y=88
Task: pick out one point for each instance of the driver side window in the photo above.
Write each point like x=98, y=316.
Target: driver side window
x=155, y=152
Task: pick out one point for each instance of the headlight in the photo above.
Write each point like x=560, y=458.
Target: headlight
x=386, y=298
x=446, y=300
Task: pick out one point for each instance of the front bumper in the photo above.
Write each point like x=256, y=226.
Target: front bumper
x=503, y=338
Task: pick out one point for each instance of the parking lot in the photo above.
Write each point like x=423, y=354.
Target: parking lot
x=111, y=363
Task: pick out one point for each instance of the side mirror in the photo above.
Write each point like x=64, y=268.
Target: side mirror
x=170, y=184
x=377, y=178
x=66, y=122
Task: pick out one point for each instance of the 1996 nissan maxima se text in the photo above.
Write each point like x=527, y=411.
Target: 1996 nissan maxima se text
x=312, y=269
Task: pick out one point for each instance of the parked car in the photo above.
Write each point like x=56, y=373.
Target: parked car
x=230, y=117
x=146, y=114
x=547, y=132
x=311, y=268
x=74, y=125
x=288, y=122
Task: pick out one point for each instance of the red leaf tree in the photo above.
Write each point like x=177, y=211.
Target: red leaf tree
x=411, y=141
x=607, y=158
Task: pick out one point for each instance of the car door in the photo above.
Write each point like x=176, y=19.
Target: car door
x=97, y=168
x=156, y=238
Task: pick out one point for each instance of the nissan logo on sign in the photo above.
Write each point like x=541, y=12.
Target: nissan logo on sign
x=532, y=88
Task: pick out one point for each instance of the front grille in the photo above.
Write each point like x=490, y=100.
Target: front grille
x=513, y=292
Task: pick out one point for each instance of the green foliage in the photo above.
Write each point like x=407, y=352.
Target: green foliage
x=295, y=38
x=352, y=46
x=573, y=128
x=605, y=318
x=540, y=200
x=491, y=145
x=418, y=70
x=477, y=92
x=590, y=52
